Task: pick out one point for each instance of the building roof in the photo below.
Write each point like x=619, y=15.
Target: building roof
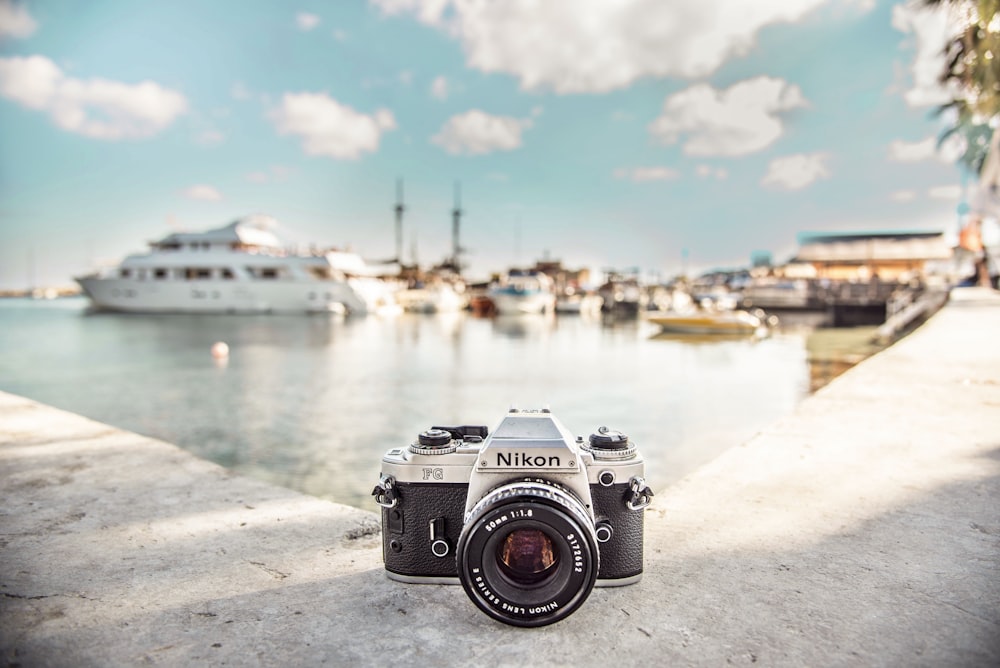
x=897, y=235
x=873, y=247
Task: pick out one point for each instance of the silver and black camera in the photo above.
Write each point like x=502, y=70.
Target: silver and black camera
x=528, y=519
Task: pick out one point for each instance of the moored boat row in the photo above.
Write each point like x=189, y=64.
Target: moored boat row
x=243, y=267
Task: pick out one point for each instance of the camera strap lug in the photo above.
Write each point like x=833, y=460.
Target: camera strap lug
x=639, y=494
x=385, y=492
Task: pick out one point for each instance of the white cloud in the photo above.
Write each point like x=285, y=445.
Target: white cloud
x=927, y=149
x=736, y=121
x=32, y=81
x=594, y=46
x=274, y=173
x=96, y=108
x=794, y=172
x=15, y=21
x=439, y=88
x=330, y=128
x=901, y=151
x=707, y=171
x=306, y=21
x=646, y=174
x=946, y=192
x=428, y=11
x=476, y=133
x=210, y=138
x=931, y=29
x=202, y=192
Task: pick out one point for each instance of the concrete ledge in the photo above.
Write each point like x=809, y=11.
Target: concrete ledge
x=862, y=530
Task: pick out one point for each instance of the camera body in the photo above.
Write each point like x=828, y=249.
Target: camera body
x=528, y=519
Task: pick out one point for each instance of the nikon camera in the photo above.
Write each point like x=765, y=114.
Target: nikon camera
x=528, y=519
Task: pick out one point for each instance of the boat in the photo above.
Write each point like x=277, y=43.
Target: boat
x=735, y=322
x=437, y=290
x=523, y=292
x=579, y=303
x=622, y=296
x=481, y=305
x=438, y=297
x=241, y=267
x=772, y=293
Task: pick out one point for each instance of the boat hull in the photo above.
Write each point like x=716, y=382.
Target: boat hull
x=431, y=300
x=580, y=305
x=738, y=322
x=221, y=296
x=514, y=304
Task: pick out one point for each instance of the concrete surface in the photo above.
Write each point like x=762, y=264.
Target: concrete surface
x=862, y=530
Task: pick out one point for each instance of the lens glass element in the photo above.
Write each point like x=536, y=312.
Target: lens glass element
x=527, y=556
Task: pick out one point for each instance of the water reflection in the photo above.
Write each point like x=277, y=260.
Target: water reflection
x=313, y=402
x=527, y=326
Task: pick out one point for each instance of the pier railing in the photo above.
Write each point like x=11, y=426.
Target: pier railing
x=846, y=302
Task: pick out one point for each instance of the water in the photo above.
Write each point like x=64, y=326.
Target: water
x=312, y=403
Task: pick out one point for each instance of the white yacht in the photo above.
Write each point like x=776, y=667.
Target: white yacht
x=523, y=292
x=241, y=267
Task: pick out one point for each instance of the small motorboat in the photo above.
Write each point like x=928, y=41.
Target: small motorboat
x=708, y=322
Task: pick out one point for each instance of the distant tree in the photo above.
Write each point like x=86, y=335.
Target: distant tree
x=971, y=74
x=972, y=57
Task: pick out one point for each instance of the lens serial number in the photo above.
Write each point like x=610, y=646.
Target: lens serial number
x=577, y=550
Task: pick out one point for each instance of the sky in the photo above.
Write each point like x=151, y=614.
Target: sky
x=662, y=136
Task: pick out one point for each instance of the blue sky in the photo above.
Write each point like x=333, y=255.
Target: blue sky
x=606, y=134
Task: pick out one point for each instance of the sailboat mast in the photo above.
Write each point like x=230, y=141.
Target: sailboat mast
x=456, y=221
x=400, y=208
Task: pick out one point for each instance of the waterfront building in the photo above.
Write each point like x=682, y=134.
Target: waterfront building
x=888, y=256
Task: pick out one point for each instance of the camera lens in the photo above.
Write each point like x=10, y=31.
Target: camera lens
x=528, y=555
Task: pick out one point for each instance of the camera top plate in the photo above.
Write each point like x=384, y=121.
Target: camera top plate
x=530, y=441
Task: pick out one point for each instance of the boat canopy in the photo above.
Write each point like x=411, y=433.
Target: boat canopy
x=254, y=230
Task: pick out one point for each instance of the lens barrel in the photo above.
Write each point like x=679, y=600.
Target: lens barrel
x=527, y=555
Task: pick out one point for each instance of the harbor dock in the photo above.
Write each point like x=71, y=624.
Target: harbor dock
x=862, y=529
